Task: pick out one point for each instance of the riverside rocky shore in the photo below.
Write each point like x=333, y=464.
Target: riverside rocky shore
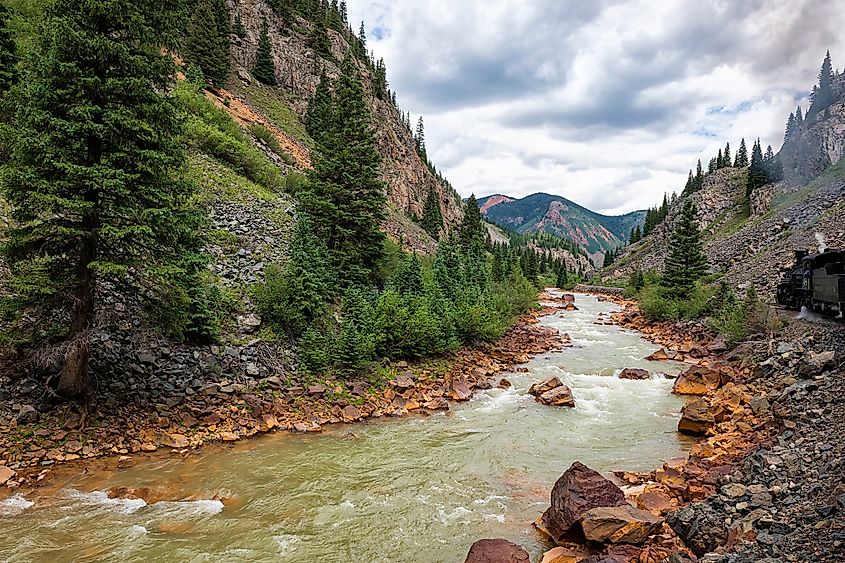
x=764, y=481
x=34, y=443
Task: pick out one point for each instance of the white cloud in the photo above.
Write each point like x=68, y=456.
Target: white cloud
x=608, y=103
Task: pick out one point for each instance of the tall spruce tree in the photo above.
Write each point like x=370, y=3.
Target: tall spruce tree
x=296, y=296
x=207, y=42
x=472, y=227
x=741, y=156
x=345, y=197
x=419, y=139
x=822, y=96
x=686, y=262
x=432, y=218
x=92, y=177
x=757, y=176
x=727, y=156
x=8, y=52
x=265, y=68
x=318, y=116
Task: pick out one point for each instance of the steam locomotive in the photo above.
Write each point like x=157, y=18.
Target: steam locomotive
x=817, y=282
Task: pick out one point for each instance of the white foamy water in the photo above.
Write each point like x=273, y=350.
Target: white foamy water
x=414, y=489
x=14, y=505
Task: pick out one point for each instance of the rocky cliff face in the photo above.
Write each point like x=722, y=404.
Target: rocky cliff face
x=819, y=142
x=298, y=69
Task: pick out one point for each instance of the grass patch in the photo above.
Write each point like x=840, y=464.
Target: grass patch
x=215, y=178
x=268, y=138
x=274, y=105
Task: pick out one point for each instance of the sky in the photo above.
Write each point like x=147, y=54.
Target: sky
x=608, y=103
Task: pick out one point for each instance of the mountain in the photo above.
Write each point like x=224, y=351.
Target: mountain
x=593, y=232
x=802, y=211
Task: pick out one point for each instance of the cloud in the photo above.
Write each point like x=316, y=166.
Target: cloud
x=606, y=102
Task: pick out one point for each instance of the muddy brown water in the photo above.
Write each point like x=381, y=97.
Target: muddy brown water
x=420, y=489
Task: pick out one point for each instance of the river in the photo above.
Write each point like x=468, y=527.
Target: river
x=419, y=489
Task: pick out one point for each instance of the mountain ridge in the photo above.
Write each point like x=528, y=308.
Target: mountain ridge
x=543, y=212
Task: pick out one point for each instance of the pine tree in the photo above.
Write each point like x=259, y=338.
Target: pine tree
x=265, y=68
x=448, y=274
x=345, y=198
x=380, y=80
x=92, y=178
x=238, y=27
x=823, y=94
x=686, y=262
x=741, y=156
x=408, y=279
x=562, y=278
x=296, y=296
x=790, y=128
x=432, y=218
x=719, y=162
x=699, y=176
x=207, y=42
x=419, y=139
x=757, y=176
x=690, y=185
x=472, y=227
x=8, y=52
x=318, y=116
x=727, y=163
x=799, y=117
x=320, y=39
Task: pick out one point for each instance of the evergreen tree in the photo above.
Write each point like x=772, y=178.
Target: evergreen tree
x=636, y=235
x=686, y=262
x=690, y=185
x=790, y=128
x=472, y=227
x=799, y=118
x=92, y=178
x=8, y=52
x=345, y=197
x=822, y=96
x=238, y=27
x=432, y=218
x=741, y=156
x=380, y=80
x=719, y=162
x=419, y=138
x=562, y=278
x=757, y=176
x=207, y=42
x=408, y=279
x=448, y=274
x=296, y=296
x=699, y=176
x=320, y=39
x=499, y=269
x=344, y=12
x=318, y=116
x=265, y=68
x=726, y=158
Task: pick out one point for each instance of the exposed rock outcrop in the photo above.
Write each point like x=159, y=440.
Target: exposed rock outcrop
x=496, y=551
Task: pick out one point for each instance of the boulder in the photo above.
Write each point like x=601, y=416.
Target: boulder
x=578, y=490
x=563, y=554
x=634, y=373
x=619, y=524
x=437, y=404
x=403, y=381
x=558, y=397
x=816, y=363
x=351, y=414
x=655, y=502
x=568, y=298
x=660, y=356
x=317, y=390
x=27, y=415
x=6, y=474
x=496, y=551
x=504, y=384
x=460, y=391
x=570, y=307
x=546, y=385
x=697, y=380
x=249, y=323
x=696, y=418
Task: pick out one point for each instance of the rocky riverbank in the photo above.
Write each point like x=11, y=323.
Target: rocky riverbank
x=33, y=443
x=762, y=483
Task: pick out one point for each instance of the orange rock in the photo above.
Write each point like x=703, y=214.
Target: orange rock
x=565, y=555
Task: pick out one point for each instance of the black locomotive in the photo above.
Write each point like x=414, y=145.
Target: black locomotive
x=817, y=282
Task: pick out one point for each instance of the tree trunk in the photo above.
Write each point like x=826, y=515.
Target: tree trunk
x=74, y=381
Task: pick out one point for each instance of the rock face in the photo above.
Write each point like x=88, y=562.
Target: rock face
x=496, y=551
x=578, y=490
x=634, y=373
x=619, y=524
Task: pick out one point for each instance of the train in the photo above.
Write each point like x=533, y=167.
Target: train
x=816, y=281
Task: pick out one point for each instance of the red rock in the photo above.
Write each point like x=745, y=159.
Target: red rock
x=504, y=384
x=558, y=397
x=6, y=474
x=460, y=391
x=496, y=551
x=543, y=386
x=619, y=524
x=317, y=390
x=437, y=404
x=229, y=437
x=176, y=441
x=655, y=502
x=696, y=418
x=351, y=414
x=565, y=555
x=578, y=490
x=659, y=356
x=697, y=380
x=634, y=373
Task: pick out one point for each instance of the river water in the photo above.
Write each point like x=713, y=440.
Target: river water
x=420, y=489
